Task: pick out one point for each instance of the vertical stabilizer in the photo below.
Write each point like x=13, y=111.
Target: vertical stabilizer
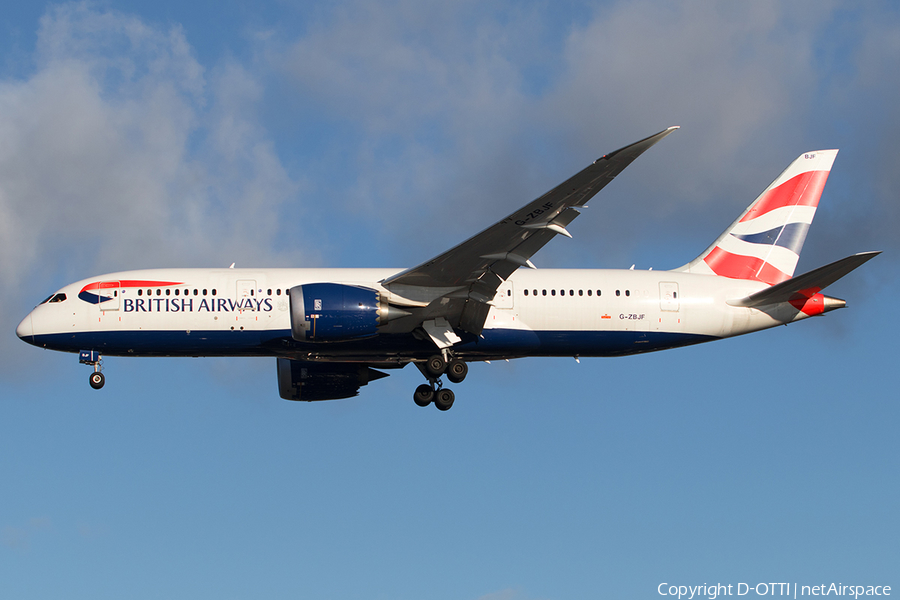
x=764, y=243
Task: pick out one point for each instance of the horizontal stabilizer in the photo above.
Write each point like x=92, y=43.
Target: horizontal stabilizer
x=807, y=284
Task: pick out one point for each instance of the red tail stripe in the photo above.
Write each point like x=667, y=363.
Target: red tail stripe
x=737, y=266
x=802, y=190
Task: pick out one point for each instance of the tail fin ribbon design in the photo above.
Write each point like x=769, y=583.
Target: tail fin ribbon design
x=764, y=243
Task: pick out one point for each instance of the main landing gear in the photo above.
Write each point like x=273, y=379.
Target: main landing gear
x=433, y=391
x=93, y=358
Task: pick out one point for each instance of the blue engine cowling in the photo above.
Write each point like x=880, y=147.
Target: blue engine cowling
x=332, y=312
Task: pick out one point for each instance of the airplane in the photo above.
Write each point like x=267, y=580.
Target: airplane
x=333, y=331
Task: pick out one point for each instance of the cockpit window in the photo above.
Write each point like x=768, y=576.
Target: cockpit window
x=46, y=300
x=58, y=298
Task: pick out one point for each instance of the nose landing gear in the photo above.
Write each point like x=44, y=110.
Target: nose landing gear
x=433, y=391
x=93, y=358
x=97, y=380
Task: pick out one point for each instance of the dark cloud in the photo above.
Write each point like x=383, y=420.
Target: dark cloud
x=448, y=129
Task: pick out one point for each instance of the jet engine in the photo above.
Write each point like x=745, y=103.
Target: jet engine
x=333, y=312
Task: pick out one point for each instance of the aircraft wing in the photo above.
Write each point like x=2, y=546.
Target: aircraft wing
x=471, y=272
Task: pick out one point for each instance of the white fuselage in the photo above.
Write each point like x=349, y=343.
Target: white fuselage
x=241, y=312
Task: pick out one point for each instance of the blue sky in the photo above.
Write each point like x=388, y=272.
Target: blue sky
x=139, y=134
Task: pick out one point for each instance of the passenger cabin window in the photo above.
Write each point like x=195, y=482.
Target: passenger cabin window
x=618, y=293
x=526, y=292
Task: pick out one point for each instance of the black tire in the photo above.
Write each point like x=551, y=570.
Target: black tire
x=97, y=380
x=423, y=395
x=457, y=371
x=435, y=366
x=443, y=399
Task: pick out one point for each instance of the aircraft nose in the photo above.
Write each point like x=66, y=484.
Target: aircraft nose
x=25, y=331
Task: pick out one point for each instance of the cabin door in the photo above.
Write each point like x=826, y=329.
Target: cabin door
x=111, y=290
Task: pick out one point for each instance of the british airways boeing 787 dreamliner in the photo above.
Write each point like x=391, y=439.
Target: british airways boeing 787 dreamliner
x=330, y=330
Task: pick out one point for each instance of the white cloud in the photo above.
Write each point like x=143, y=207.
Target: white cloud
x=122, y=151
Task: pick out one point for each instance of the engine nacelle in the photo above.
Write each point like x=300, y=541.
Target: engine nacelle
x=332, y=312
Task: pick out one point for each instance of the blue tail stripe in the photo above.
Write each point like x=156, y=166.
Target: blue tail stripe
x=790, y=236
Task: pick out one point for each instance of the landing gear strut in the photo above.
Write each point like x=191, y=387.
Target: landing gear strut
x=433, y=391
x=93, y=358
